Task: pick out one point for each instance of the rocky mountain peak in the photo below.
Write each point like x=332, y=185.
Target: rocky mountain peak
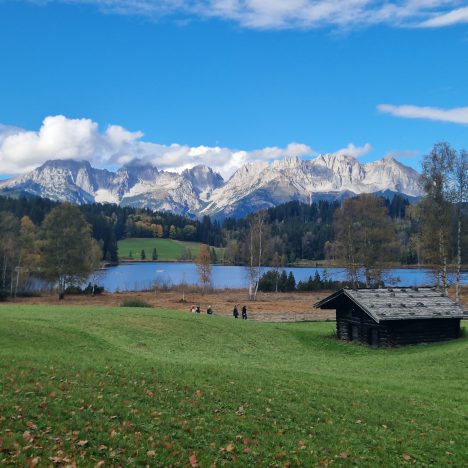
x=200, y=190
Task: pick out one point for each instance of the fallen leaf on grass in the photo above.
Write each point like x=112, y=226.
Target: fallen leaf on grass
x=230, y=447
x=240, y=411
x=344, y=454
x=150, y=453
x=408, y=457
x=32, y=462
x=193, y=460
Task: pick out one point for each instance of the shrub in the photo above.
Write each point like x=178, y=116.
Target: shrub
x=135, y=302
x=3, y=295
x=77, y=290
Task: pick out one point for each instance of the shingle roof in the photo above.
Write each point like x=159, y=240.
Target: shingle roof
x=399, y=303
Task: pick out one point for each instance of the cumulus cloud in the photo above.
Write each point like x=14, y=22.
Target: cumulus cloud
x=62, y=138
x=457, y=115
x=355, y=151
x=283, y=14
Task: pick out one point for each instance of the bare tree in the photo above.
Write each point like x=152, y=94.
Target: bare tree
x=460, y=196
x=203, y=262
x=365, y=238
x=256, y=251
x=437, y=168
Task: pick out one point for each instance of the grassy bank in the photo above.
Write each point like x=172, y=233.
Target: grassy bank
x=137, y=386
x=168, y=249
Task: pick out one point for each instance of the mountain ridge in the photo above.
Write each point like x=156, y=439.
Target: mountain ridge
x=201, y=191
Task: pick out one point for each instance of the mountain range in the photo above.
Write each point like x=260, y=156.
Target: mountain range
x=201, y=191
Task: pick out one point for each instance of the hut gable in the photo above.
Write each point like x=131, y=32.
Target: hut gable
x=394, y=316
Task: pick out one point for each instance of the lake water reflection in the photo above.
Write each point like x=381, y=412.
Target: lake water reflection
x=140, y=276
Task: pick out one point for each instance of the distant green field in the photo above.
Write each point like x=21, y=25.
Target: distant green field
x=130, y=387
x=168, y=249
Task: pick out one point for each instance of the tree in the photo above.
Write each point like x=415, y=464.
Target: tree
x=28, y=252
x=365, y=238
x=291, y=282
x=94, y=259
x=9, y=229
x=203, y=263
x=143, y=254
x=214, y=257
x=68, y=252
x=460, y=197
x=276, y=264
x=437, y=168
x=256, y=251
x=154, y=255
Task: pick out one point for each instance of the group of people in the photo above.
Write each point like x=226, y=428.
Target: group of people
x=235, y=312
x=196, y=310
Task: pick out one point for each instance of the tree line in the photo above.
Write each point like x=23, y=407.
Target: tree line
x=60, y=250
x=365, y=234
x=111, y=223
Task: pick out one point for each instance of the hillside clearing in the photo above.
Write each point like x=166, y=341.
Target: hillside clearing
x=139, y=386
x=168, y=249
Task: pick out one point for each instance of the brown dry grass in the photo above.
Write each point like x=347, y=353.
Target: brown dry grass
x=267, y=307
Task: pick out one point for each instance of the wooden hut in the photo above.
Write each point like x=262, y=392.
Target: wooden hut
x=394, y=316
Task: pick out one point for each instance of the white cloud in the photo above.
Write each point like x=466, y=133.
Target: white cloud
x=458, y=16
x=285, y=14
x=455, y=115
x=355, y=151
x=62, y=138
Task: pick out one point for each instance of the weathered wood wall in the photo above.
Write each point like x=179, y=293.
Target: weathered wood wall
x=353, y=324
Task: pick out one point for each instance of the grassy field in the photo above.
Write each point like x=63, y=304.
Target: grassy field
x=143, y=386
x=168, y=249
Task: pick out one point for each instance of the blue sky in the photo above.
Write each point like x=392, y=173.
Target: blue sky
x=219, y=81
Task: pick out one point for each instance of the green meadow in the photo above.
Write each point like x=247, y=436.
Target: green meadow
x=130, y=387
x=168, y=249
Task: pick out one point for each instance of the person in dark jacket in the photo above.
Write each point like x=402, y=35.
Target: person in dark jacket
x=209, y=311
x=235, y=312
x=244, y=313
x=197, y=310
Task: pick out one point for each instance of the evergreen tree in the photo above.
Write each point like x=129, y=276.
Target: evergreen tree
x=154, y=255
x=291, y=282
x=283, y=282
x=143, y=254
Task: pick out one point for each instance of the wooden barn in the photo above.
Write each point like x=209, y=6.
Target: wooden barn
x=394, y=316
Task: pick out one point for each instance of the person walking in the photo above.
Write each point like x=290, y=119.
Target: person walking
x=209, y=311
x=244, y=313
x=235, y=312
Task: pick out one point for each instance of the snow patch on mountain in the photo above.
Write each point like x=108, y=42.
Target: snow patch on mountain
x=200, y=190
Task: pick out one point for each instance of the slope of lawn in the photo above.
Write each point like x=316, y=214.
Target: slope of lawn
x=102, y=387
x=168, y=249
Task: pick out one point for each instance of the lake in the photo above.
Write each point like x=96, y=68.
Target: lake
x=140, y=276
